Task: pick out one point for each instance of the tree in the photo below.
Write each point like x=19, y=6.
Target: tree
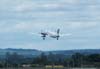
x=13, y=60
x=77, y=59
x=41, y=60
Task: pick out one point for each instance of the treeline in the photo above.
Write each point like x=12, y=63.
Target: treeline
x=75, y=60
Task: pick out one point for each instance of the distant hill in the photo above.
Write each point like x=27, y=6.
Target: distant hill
x=24, y=52
x=82, y=51
x=34, y=52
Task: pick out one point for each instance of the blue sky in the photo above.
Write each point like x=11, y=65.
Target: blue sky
x=19, y=18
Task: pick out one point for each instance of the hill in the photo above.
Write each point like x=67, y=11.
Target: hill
x=82, y=51
x=24, y=52
x=34, y=52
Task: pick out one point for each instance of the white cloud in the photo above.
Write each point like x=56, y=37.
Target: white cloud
x=23, y=8
x=71, y=1
x=45, y=15
x=51, y=5
x=31, y=26
x=36, y=6
x=24, y=16
x=29, y=6
x=80, y=25
x=22, y=26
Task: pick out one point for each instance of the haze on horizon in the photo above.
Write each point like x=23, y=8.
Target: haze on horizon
x=20, y=18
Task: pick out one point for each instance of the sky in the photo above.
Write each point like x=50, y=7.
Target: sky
x=20, y=18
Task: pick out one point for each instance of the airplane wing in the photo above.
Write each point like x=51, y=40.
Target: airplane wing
x=35, y=34
x=65, y=35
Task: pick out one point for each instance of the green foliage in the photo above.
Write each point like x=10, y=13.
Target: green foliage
x=42, y=59
x=1, y=65
x=76, y=60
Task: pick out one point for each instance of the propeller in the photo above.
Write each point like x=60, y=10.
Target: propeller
x=41, y=31
x=58, y=31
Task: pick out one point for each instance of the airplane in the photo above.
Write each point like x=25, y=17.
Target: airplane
x=55, y=35
x=51, y=34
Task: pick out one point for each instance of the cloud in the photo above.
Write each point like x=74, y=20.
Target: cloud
x=46, y=5
x=34, y=27
x=82, y=25
x=72, y=1
x=37, y=6
x=20, y=17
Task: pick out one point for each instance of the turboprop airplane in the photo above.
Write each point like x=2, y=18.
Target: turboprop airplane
x=53, y=34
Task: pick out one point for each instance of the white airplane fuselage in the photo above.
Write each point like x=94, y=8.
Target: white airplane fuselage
x=52, y=34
